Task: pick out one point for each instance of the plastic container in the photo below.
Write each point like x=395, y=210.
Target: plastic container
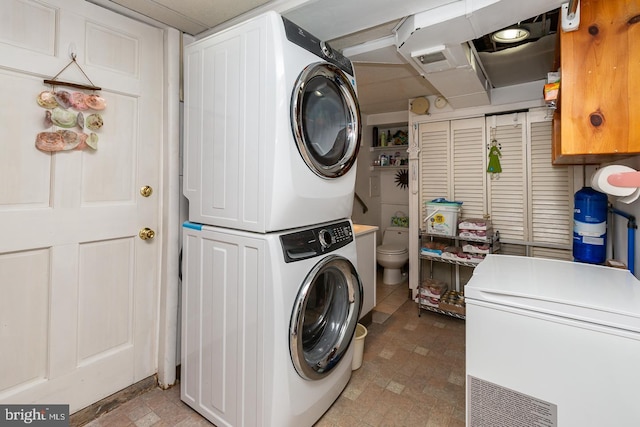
x=590, y=226
x=442, y=218
x=383, y=139
x=358, y=346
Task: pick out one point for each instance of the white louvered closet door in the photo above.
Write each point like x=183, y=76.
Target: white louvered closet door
x=452, y=164
x=435, y=157
x=530, y=202
x=508, y=191
x=469, y=166
x=550, y=187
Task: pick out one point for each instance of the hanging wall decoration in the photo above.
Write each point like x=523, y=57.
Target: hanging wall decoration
x=64, y=118
x=494, y=167
x=402, y=178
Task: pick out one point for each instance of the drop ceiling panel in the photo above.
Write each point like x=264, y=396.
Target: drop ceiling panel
x=364, y=31
x=330, y=19
x=383, y=87
x=385, y=55
x=192, y=16
x=366, y=36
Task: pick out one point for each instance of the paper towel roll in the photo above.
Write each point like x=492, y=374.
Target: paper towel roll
x=599, y=181
x=632, y=198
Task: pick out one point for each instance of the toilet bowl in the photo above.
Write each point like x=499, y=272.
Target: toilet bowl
x=393, y=254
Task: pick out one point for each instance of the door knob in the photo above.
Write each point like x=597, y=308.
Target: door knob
x=147, y=234
x=146, y=191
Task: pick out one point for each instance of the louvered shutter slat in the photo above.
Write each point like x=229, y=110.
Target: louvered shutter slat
x=551, y=206
x=469, y=166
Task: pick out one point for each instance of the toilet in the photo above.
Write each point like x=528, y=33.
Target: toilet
x=393, y=254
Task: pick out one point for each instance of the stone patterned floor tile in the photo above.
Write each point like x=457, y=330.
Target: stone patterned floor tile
x=412, y=375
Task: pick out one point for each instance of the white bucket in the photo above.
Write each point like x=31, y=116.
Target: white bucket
x=358, y=346
x=442, y=218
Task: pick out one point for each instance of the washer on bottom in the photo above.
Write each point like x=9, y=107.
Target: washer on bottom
x=267, y=322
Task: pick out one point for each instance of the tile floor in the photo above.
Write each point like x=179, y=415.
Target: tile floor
x=413, y=374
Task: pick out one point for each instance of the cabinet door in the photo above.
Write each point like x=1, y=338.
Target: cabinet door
x=600, y=108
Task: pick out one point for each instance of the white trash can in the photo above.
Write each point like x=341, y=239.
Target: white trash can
x=358, y=346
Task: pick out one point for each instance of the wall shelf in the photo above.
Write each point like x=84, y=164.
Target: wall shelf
x=389, y=151
x=377, y=168
x=389, y=147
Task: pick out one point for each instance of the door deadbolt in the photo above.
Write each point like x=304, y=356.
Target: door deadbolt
x=147, y=234
x=146, y=191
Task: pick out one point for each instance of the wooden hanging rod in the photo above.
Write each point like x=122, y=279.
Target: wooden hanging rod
x=74, y=85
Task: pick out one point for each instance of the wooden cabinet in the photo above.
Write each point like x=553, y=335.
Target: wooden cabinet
x=365, y=236
x=599, y=112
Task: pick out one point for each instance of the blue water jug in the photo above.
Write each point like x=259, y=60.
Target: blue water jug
x=590, y=226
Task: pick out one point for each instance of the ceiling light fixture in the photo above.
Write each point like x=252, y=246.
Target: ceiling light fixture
x=510, y=35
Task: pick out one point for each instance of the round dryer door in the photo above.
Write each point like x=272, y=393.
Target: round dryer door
x=325, y=119
x=324, y=317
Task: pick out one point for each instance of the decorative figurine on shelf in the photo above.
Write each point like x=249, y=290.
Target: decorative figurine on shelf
x=494, y=167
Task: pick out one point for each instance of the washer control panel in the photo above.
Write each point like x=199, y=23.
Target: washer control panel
x=316, y=241
x=316, y=46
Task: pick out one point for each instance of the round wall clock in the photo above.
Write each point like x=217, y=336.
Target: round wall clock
x=420, y=105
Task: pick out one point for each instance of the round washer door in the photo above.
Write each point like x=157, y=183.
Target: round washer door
x=325, y=120
x=324, y=317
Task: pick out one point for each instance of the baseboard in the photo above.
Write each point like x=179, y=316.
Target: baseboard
x=109, y=403
x=367, y=319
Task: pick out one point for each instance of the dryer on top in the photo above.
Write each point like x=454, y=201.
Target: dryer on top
x=272, y=128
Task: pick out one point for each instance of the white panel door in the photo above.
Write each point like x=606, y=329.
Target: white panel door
x=79, y=288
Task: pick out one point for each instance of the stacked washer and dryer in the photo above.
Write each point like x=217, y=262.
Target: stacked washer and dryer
x=271, y=296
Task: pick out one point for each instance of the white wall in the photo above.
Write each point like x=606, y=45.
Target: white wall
x=367, y=189
x=377, y=188
x=617, y=226
x=394, y=200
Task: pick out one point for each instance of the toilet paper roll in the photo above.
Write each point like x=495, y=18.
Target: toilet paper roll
x=600, y=182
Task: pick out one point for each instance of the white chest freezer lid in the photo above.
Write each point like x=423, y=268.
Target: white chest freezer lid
x=585, y=292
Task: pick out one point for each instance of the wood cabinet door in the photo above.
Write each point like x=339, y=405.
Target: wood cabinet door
x=600, y=106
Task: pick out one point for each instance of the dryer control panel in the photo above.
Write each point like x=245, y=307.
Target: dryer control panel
x=316, y=241
x=318, y=47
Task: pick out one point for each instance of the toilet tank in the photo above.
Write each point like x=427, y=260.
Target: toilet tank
x=396, y=235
